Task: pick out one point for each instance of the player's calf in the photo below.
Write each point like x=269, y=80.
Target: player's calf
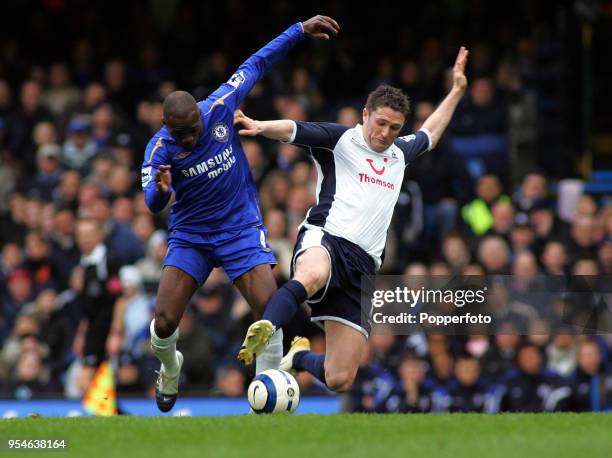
x=339, y=380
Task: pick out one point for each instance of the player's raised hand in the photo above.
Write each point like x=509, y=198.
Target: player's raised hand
x=459, y=79
x=250, y=126
x=320, y=27
x=163, y=178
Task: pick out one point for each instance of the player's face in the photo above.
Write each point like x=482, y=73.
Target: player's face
x=381, y=127
x=186, y=131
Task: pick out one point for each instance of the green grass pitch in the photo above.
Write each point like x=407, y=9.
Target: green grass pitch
x=312, y=436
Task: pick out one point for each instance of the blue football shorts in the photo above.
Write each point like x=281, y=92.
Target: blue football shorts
x=236, y=252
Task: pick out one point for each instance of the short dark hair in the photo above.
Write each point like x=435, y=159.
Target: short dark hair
x=388, y=96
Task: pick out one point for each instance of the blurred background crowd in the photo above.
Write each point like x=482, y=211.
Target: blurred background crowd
x=509, y=189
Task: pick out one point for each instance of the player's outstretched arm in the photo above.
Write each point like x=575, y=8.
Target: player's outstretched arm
x=281, y=129
x=256, y=66
x=438, y=121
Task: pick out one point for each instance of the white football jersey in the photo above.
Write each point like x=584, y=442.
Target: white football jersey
x=357, y=188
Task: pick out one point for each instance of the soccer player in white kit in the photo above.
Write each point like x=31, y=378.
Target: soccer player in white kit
x=341, y=241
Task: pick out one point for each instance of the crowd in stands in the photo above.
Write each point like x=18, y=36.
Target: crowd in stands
x=80, y=252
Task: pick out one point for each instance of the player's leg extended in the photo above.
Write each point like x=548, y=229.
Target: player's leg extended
x=175, y=290
x=257, y=286
x=338, y=366
x=312, y=270
x=343, y=349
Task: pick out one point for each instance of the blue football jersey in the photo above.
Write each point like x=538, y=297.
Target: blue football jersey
x=213, y=185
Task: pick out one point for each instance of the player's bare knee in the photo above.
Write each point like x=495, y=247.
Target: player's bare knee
x=311, y=272
x=312, y=278
x=339, y=381
x=165, y=324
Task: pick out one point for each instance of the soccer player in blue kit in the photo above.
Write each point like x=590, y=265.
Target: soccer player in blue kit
x=215, y=219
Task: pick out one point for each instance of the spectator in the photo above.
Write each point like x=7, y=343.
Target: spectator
x=416, y=396
x=561, y=354
x=131, y=316
x=61, y=93
x=48, y=172
x=591, y=385
x=79, y=148
x=533, y=190
x=197, y=348
x=39, y=261
x=477, y=213
x=24, y=335
x=483, y=111
x=66, y=194
x=455, y=252
x=229, y=381
x=13, y=225
x=530, y=388
x=581, y=243
x=32, y=378
x=120, y=238
x=151, y=266
x=499, y=358
x=348, y=116
x=554, y=258
x=494, y=255
x=502, y=213
x=27, y=116
x=19, y=291
x=56, y=330
x=468, y=393
x=97, y=286
x=102, y=124
x=63, y=246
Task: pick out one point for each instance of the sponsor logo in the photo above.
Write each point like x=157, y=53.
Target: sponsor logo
x=214, y=166
x=364, y=178
x=145, y=176
x=376, y=171
x=182, y=155
x=220, y=132
x=237, y=79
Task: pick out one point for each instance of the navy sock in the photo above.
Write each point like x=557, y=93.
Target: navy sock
x=284, y=303
x=312, y=362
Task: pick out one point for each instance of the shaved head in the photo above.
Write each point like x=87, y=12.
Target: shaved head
x=179, y=104
x=182, y=118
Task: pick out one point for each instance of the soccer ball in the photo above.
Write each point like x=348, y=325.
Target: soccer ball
x=273, y=391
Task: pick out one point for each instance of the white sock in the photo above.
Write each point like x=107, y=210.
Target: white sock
x=271, y=358
x=165, y=350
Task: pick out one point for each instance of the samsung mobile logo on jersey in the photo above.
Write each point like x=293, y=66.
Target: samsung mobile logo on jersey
x=214, y=166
